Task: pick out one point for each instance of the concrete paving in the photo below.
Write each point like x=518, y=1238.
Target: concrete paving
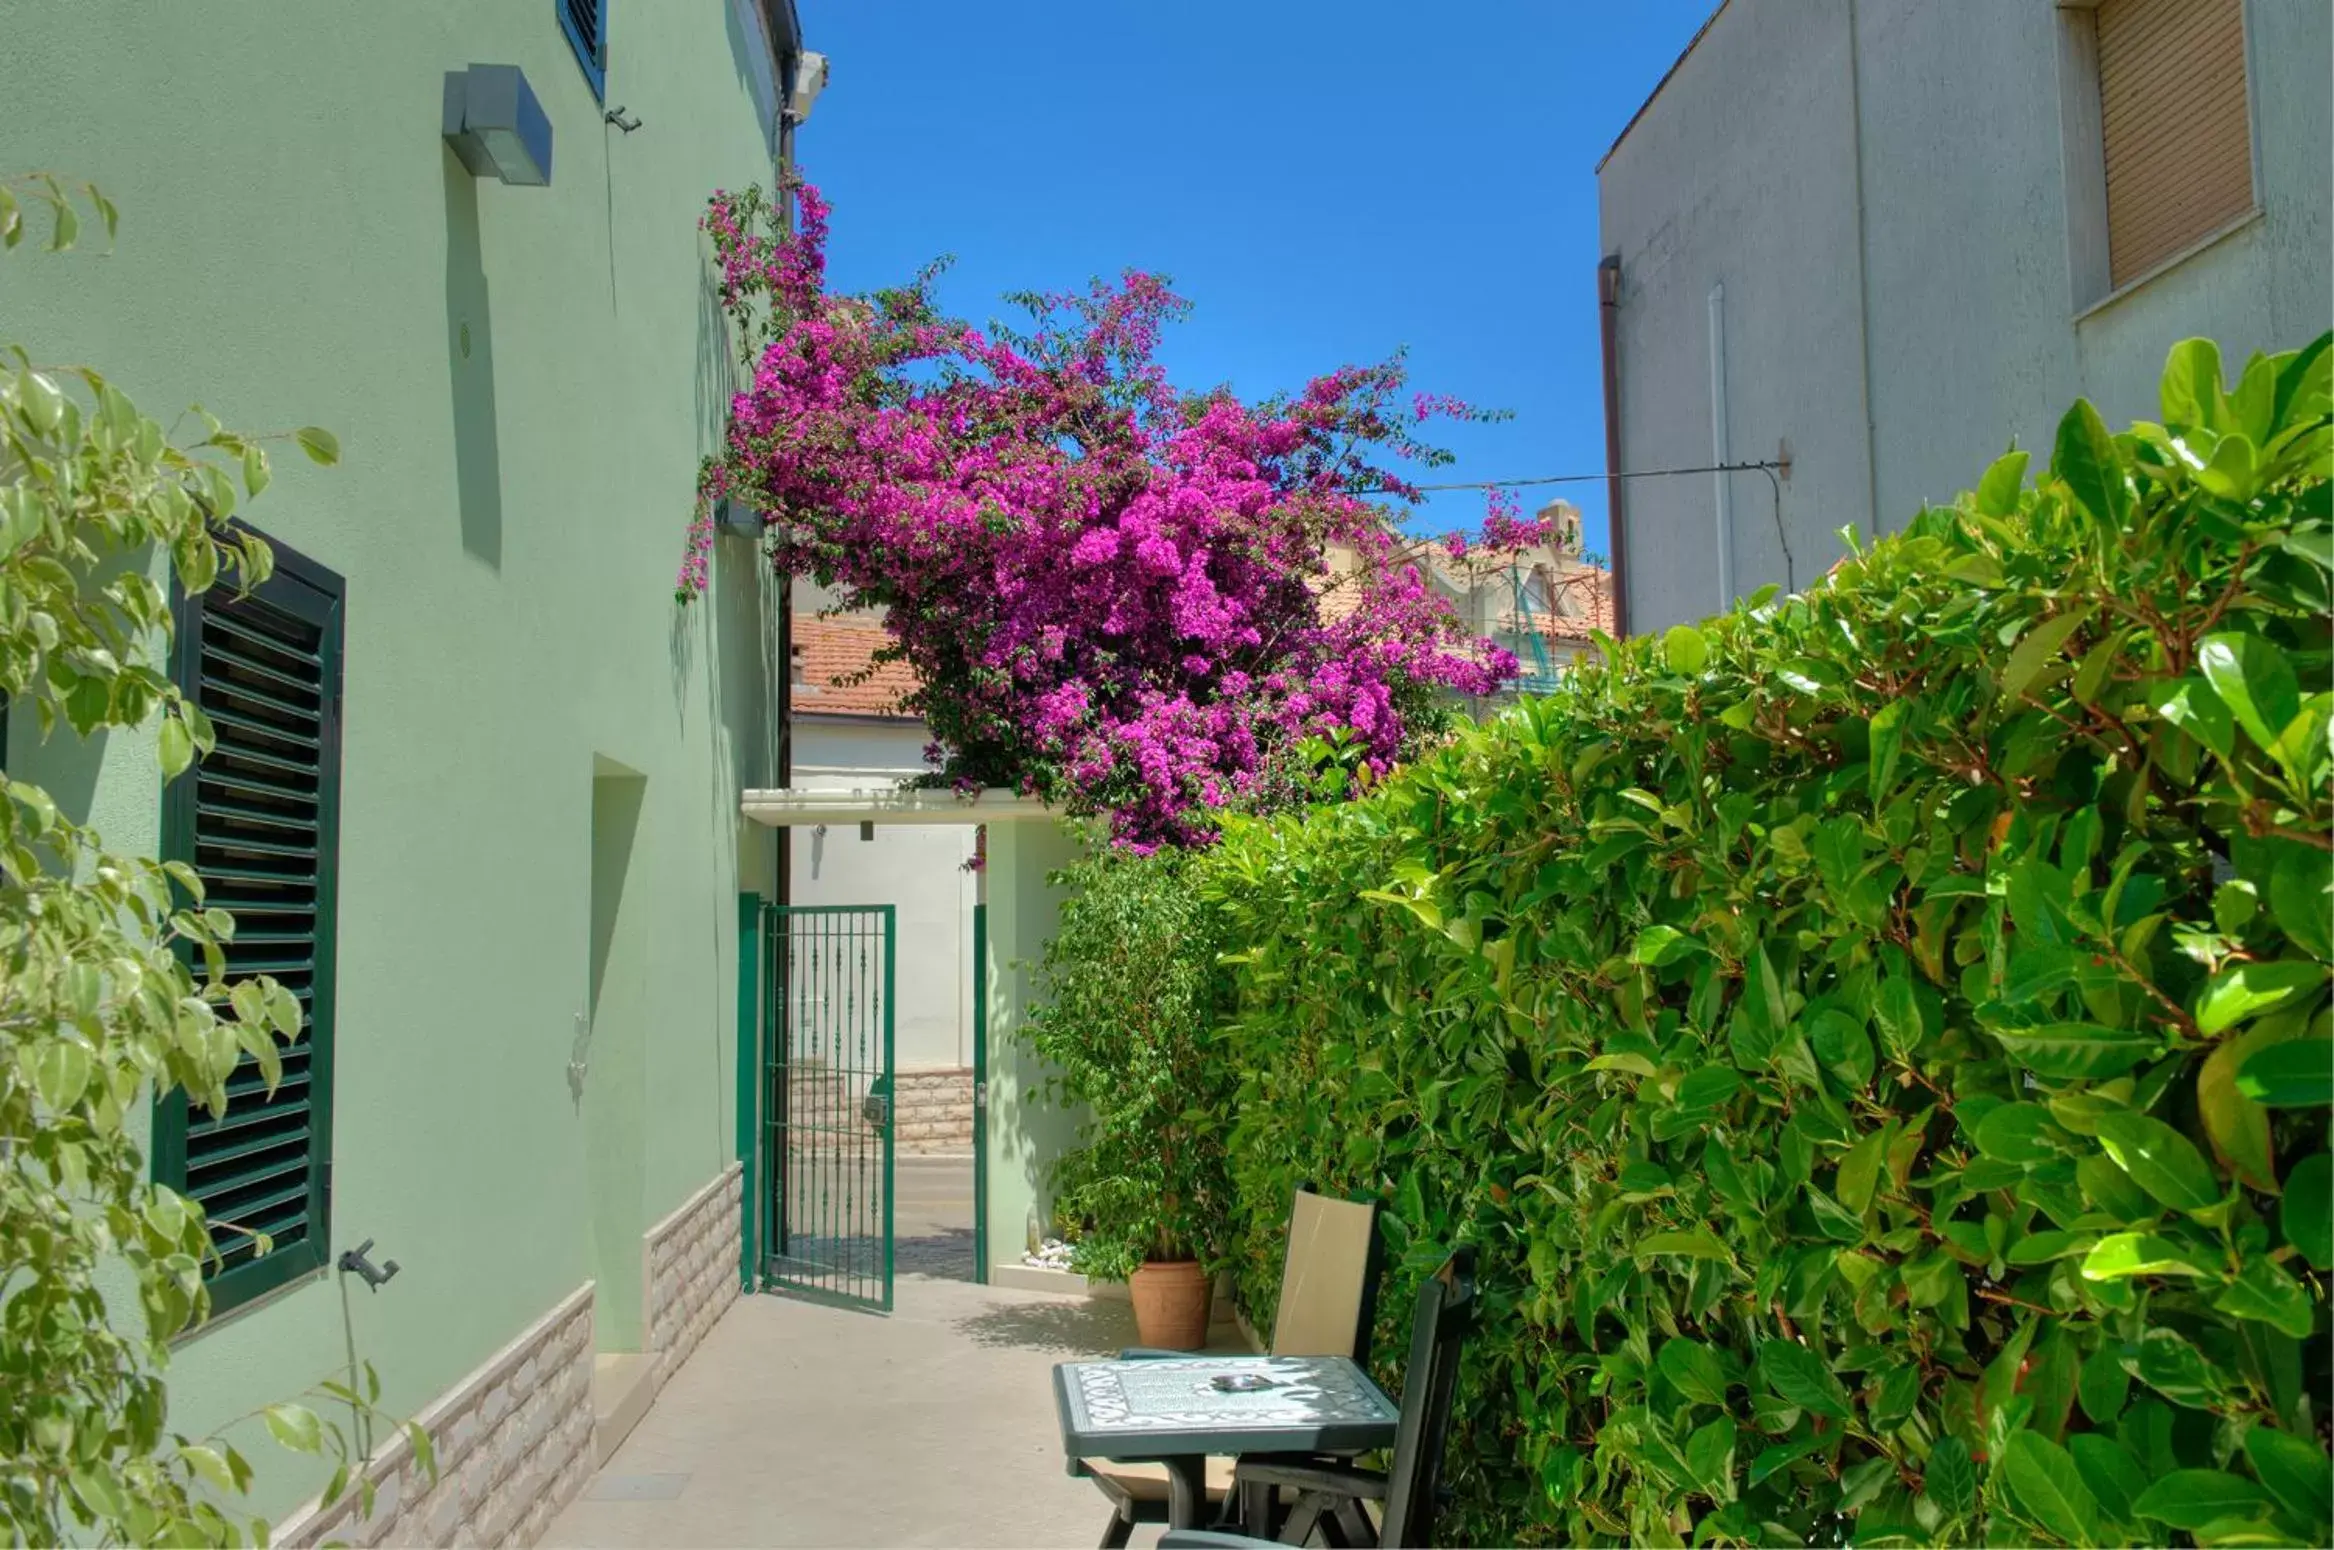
x=795, y=1424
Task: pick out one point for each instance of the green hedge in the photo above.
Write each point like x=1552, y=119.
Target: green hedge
x=1877, y=1039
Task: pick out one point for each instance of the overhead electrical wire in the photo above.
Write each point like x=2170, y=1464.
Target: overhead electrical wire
x=1770, y=469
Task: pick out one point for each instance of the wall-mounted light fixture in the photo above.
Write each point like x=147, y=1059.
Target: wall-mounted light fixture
x=496, y=126
x=810, y=78
x=736, y=519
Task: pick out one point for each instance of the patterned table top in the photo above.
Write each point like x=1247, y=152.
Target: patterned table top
x=1162, y=1406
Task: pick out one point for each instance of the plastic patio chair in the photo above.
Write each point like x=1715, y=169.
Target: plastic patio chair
x=1328, y=1287
x=1330, y=1495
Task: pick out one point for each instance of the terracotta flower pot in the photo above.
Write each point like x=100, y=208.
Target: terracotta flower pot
x=1171, y=1299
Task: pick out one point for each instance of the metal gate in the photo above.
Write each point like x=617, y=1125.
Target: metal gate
x=827, y=1025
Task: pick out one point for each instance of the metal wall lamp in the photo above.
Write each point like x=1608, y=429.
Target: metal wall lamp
x=496, y=126
x=737, y=519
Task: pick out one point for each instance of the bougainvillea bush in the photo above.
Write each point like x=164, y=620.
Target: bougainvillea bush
x=1877, y=1040
x=1114, y=593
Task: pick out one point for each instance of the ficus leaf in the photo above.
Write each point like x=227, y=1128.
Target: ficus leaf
x=2254, y=679
x=2306, y=1214
x=2085, y=458
x=2108, y=1468
x=2068, y=1051
x=2234, y=1121
x=2265, y=1293
x=2160, y=1160
x=1694, y=1370
x=2124, y=1254
x=2248, y=989
x=2051, y=1488
x=2191, y=1498
x=2295, y=1471
x=2037, y=648
x=1800, y=1376
x=1685, y=649
x=2295, y=1074
x=1694, y=1243
x=1998, y=487
x=1951, y=1479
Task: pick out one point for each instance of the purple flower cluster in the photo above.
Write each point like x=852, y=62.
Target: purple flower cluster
x=1113, y=593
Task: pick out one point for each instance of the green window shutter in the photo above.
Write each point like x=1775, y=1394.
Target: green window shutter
x=586, y=24
x=259, y=821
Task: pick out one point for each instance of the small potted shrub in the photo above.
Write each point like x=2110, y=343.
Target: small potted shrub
x=1131, y=988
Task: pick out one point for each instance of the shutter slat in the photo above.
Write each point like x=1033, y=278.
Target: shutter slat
x=2144, y=76
x=254, y=1212
x=251, y=727
x=260, y=904
x=251, y=785
x=265, y=1162
x=245, y=845
x=290, y=1102
x=276, y=964
x=244, y=753
x=250, y=1147
x=304, y=880
x=268, y=938
x=237, y=624
x=228, y=679
x=231, y=816
x=585, y=15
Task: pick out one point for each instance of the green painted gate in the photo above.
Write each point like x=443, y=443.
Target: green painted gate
x=827, y=1033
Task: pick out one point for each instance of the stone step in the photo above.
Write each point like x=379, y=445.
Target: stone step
x=622, y=1389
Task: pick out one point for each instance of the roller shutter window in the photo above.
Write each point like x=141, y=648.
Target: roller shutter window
x=2175, y=130
x=258, y=820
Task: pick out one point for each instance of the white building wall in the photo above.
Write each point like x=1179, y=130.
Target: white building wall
x=1956, y=289
x=920, y=869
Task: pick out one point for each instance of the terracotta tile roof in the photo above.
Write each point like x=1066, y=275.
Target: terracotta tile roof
x=832, y=654
x=830, y=658
x=1583, y=602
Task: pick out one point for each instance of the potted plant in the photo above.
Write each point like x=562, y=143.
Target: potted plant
x=1131, y=987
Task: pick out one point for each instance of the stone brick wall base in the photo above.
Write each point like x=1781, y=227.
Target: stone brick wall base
x=693, y=1269
x=934, y=1110
x=827, y=1110
x=514, y=1439
x=513, y=1443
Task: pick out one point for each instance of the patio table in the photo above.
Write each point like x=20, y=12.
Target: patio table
x=1170, y=1410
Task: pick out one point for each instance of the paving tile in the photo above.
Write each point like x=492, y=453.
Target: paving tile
x=795, y=1424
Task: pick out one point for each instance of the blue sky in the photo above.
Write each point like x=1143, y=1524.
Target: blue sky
x=1326, y=180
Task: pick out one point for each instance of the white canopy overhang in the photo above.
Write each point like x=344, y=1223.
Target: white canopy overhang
x=891, y=804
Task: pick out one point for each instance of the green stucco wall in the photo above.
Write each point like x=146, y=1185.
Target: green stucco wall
x=523, y=380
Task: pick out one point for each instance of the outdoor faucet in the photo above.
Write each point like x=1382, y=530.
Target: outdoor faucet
x=354, y=1262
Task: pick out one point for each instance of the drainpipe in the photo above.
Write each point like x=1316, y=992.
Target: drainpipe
x=1718, y=448
x=1616, y=516
x=784, y=893
x=1863, y=283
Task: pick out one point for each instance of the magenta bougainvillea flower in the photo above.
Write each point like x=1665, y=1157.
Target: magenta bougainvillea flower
x=1113, y=593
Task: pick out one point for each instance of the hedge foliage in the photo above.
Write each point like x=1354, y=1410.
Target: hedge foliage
x=1878, y=1039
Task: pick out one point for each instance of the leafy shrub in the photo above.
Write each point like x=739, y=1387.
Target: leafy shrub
x=1131, y=985
x=1878, y=1039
